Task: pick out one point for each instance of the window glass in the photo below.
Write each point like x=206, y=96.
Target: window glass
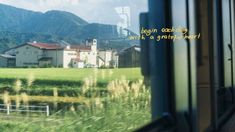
x=226, y=42
x=83, y=72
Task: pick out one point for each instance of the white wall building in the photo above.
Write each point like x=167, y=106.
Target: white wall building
x=104, y=58
x=107, y=58
x=37, y=54
x=43, y=55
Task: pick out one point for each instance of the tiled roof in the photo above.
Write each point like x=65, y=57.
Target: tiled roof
x=135, y=47
x=46, y=46
x=80, y=47
x=7, y=56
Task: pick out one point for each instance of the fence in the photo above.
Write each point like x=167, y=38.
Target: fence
x=24, y=108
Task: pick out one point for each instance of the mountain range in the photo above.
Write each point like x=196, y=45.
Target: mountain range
x=18, y=26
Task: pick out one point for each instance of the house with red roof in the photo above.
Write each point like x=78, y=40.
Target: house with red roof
x=44, y=54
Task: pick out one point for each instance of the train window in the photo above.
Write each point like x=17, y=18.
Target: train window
x=186, y=96
x=180, y=67
x=102, y=90
x=226, y=26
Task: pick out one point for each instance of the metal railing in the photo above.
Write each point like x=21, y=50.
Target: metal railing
x=24, y=108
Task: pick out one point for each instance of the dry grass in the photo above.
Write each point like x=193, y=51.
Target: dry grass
x=17, y=86
x=121, y=109
x=25, y=98
x=30, y=79
x=49, y=99
x=6, y=98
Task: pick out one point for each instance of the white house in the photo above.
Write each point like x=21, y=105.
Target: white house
x=77, y=63
x=35, y=54
x=42, y=54
x=107, y=58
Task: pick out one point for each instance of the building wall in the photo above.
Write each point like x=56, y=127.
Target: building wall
x=130, y=58
x=3, y=62
x=92, y=58
x=115, y=58
x=68, y=55
x=44, y=63
x=28, y=56
x=106, y=56
x=76, y=64
x=100, y=62
x=57, y=57
x=11, y=62
x=92, y=43
x=89, y=57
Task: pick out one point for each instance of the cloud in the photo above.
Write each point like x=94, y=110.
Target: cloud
x=58, y=3
x=97, y=11
x=41, y=5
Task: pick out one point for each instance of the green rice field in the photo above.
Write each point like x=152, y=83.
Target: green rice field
x=71, y=74
x=80, y=100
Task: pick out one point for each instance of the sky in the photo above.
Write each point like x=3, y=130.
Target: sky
x=93, y=11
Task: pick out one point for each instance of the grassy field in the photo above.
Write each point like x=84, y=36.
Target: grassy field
x=86, y=100
x=71, y=74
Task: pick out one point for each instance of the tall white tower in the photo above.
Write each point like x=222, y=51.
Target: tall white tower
x=92, y=56
x=92, y=43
